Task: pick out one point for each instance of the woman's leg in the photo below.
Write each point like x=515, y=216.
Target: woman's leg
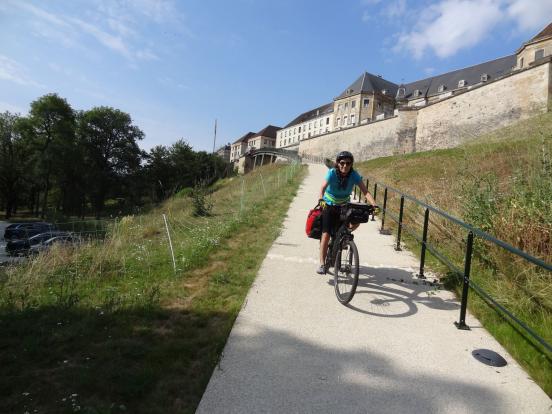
x=324, y=240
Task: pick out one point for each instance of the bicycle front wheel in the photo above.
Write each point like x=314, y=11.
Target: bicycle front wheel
x=346, y=271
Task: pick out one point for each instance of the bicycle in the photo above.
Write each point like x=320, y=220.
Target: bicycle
x=342, y=250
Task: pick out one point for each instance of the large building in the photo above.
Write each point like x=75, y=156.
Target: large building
x=372, y=98
x=266, y=137
x=376, y=117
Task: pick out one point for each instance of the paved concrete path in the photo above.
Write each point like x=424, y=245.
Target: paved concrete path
x=295, y=349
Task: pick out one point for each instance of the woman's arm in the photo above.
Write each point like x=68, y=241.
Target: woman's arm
x=322, y=190
x=368, y=196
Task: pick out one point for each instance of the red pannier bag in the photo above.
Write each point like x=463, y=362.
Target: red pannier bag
x=314, y=223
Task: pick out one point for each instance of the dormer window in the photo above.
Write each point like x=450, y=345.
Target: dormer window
x=384, y=91
x=417, y=93
x=539, y=54
x=484, y=77
x=441, y=88
x=401, y=92
x=461, y=83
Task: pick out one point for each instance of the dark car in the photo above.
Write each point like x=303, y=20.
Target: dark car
x=21, y=231
x=21, y=247
x=66, y=239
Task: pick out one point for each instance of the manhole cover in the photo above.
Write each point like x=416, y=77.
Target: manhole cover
x=489, y=357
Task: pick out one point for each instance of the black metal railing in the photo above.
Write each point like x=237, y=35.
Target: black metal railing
x=464, y=274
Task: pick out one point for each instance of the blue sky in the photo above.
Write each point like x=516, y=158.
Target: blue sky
x=175, y=66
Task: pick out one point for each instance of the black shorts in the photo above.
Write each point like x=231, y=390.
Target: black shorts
x=330, y=219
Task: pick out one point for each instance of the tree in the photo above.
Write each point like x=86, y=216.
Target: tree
x=50, y=128
x=111, y=151
x=12, y=163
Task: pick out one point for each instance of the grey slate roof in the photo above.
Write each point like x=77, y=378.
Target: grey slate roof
x=268, y=131
x=546, y=32
x=368, y=83
x=313, y=113
x=244, y=138
x=471, y=75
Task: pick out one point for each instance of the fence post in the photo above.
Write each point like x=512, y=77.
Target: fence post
x=170, y=243
x=424, y=241
x=461, y=324
x=399, y=228
x=384, y=207
x=375, y=195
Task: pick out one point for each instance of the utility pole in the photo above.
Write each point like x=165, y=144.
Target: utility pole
x=215, y=137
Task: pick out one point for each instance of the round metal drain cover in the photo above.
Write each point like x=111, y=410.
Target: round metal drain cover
x=489, y=357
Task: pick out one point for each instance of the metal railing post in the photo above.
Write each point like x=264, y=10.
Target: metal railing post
x=461, y=324
x=384, y=207
x=424, y=241
x=375, y=195
x=399, y=228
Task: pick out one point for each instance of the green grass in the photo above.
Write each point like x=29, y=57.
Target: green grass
x=502, y=184
x=111, y=327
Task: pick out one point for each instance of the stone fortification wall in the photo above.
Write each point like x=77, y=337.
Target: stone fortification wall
x=463, y=117
x=377, y=139
x=446, y=123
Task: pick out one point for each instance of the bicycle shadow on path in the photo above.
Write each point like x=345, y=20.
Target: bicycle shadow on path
x=395, y=293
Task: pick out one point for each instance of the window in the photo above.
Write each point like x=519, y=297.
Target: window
x=327, y=120
x=416, y=93
x=521, y=63
x=310, y=125
x=539, y=54
x=346, y=105
x=379, y=105
x=366, y=103
x=345, y=119
x=401, y=92
x=299, y=129
x=461, y=83
x=353, y=104
x=339, y=107
x=338, y=122
x=484, y=77
x=352, y=119
x=294, y=131
x=441, y=88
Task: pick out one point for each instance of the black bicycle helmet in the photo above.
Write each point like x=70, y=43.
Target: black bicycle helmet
x=344, y=155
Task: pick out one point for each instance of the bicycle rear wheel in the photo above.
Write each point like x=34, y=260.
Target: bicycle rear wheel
x=346, y=271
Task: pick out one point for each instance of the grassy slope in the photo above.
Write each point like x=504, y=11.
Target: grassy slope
x=112, y=329
x=501, y=183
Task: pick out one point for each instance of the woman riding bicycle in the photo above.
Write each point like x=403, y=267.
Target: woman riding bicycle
x=335, y=191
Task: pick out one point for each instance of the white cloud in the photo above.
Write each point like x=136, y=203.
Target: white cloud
x=450, y=26
x=12, y=71
x=114, y=25
x=447, y=26
x=395, y=9
x=530, y=15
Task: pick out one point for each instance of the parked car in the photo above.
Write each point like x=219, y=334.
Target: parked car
x=21, y=231
x=21, y=247
x=68, y=239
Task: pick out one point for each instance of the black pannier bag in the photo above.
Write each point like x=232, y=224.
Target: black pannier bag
x=356, y=213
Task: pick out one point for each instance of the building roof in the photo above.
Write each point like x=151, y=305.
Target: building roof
x=546, y=32
x=368, y=83
x=268, y=131
x=471, y=75
x=313, y=113
x=244, y=138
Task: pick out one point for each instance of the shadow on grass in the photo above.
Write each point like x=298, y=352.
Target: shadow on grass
x=143, y=360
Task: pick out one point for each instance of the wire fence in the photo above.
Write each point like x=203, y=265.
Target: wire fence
x=130, y=261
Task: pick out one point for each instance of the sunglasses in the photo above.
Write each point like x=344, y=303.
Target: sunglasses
x=344, y=163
